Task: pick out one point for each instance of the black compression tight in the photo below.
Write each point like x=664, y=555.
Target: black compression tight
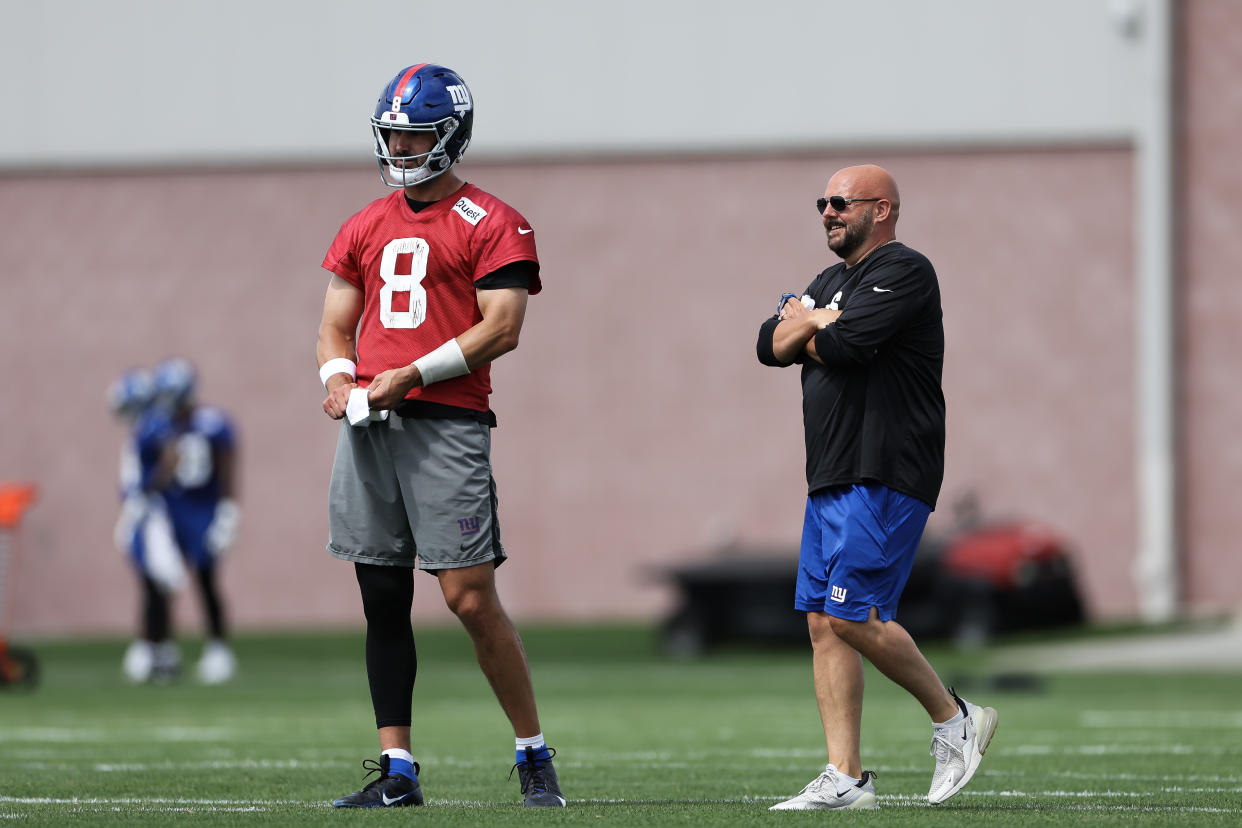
x=387, y=597
x=210, y=595
x=155, y=616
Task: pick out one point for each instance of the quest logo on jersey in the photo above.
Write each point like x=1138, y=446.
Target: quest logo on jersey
x=470, y=211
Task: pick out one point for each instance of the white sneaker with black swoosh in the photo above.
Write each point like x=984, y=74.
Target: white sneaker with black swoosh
x=959, y=749
x=829, y=792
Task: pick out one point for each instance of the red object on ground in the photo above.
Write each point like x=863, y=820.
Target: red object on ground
x=1006, y=555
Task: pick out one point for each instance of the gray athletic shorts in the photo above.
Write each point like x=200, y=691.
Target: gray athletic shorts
x=415, y=493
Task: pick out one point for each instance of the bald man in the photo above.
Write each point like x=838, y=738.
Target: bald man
x=869, y=337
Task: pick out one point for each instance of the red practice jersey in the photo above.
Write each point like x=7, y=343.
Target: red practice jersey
x=417, y=273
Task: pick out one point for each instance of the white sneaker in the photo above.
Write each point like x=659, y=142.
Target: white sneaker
x=138, y=662
x=217, y=663
x=167, y=658
x=825, y=794
x=959, y=749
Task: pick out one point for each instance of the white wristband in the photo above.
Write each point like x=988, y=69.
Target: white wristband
x=339, y=365
x=443, y=363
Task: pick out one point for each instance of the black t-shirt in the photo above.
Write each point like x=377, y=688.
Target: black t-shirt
x=874, y=411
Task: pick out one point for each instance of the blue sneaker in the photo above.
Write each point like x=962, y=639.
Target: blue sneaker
x=539, y=782
x=387, y=791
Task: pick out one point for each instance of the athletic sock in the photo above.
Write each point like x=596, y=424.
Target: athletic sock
x=400, y=762
x=847, y=779
x=956, y=720
x=536, y=743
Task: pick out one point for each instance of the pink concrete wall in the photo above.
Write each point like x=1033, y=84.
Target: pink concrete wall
x=637, y=429
x=1209, y=214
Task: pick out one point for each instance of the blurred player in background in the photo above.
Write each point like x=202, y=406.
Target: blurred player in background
x=429, y=286
x=144, y=533
x=179, y=513
x=869, y=336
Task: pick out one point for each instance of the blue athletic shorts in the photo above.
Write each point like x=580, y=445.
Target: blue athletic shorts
x=858, y=545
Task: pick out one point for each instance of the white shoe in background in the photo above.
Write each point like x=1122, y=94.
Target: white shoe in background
x=217, y=663
x=167, y=662
x=138, y=662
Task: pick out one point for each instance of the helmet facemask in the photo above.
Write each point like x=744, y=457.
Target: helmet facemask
x=407, y=170
x=426, y=98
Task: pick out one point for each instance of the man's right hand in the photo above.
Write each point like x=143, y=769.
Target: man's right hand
x=339, y=387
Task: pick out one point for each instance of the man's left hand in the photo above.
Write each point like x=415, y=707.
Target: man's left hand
x=389, y=387
x=793, y=308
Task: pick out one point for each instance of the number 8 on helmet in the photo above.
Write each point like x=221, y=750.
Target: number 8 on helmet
x=425, y=97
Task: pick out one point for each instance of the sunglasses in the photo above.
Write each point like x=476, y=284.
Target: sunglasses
x=838, y=203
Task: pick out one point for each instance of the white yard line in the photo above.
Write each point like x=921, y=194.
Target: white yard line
x=218, y=764
x=182, y=804
x=43, y=735
x=1148, y=719
x=134, y=800
x=1116, y=750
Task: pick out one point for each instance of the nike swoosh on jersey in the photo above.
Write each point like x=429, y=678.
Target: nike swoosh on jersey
x=525, y=231
x=881, y=290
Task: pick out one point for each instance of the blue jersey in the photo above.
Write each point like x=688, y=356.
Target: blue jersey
x=140, y=456
x=196, y=485
x=143, y=530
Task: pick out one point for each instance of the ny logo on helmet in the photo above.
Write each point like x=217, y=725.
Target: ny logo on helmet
x=461, y=98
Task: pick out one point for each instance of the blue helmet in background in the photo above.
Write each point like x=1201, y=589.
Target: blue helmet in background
x=174, y=382
x=131, y=393
x=424, y=97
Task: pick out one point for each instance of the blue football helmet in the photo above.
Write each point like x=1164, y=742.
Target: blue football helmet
x=131, y=393
x=174, y=382
x=424, y=97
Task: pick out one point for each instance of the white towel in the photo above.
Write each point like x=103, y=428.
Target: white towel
x=358, y=409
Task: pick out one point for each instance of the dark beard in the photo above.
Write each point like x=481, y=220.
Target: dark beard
x=855, y=235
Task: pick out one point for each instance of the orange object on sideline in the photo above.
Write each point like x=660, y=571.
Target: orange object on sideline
x=15, y=498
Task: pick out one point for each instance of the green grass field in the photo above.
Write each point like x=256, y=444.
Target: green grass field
x=643, y=740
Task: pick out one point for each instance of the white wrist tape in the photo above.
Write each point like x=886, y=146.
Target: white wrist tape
x=443, y=363
x=222, y=531
x=339, y=365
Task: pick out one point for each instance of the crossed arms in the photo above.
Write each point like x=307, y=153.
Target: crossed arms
x=795, y=335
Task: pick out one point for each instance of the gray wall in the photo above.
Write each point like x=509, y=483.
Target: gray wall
x=141, y=82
